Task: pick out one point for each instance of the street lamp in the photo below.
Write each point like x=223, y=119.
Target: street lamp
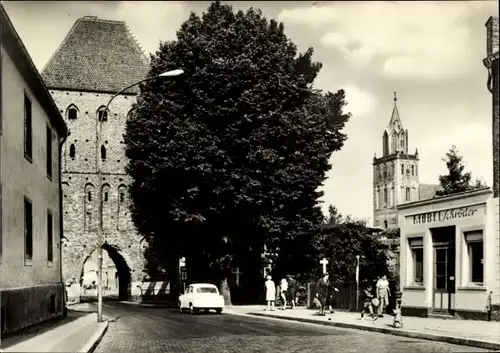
x=166, y=74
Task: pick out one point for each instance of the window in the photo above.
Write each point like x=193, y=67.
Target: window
x=475, y=251
x=402, y=143
x=72, y=151
x=50, y=237
x=28, y=230
x=408, y=194
x=103, y=152
x=417, y=252
x=89, y=196
x=122, y=197
x=385, y=224
x=385, y=195
x=28, y=134
x=402, y=169
x=103, y=114
x=105, y=196
x=72, y=113
x=412, y=170
x=49, y=151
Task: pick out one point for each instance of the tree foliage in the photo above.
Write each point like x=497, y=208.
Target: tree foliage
x=345, y=238
x=457, y=180
x=230, y=155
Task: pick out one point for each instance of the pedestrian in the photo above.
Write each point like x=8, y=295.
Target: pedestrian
x=292, y=290
x=367, y=302
x=322, y=293
x=283, y=292
x=270, y=293
x=383, y=294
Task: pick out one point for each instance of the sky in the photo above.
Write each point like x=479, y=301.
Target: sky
x=430, y=53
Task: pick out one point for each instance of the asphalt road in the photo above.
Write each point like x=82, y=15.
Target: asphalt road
x=136, y=329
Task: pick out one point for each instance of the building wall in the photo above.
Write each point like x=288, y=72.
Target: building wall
x=470, y=299
x=492, y=48
x=28, y=289
x=80, y=178
x=496, y=222
x=21, y=178
x=396, y=183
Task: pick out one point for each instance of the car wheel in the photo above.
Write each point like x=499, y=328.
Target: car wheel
x=180, y=307
x=218, y=311
x=192, y=309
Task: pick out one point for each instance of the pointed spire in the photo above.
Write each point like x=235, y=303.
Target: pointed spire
x=395, y=112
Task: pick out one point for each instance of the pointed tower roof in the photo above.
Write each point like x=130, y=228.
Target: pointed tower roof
x=395, y=112
x=97, y=55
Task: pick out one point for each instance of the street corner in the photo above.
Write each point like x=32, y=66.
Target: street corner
x=96, y=338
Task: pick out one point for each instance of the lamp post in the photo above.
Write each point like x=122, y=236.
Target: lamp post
x=100, y=239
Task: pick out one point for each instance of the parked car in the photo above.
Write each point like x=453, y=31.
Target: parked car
x=201, y=296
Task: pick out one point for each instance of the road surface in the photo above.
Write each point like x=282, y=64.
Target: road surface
x=135, y=329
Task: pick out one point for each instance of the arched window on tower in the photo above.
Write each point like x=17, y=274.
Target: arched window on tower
x=72, y=112
x=72, y=151
x=385, y=143
x=402, y=169
x=103, y=152
x=103, y=114
x=88, y=222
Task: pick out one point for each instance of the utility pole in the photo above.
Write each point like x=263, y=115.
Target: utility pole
x=100, y=238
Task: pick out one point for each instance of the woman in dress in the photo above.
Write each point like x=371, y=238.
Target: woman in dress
x=270, y=293
x=283, y=292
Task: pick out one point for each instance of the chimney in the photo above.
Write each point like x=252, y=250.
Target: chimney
x=492, y=35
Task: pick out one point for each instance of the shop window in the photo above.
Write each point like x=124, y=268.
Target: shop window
x=417, y=252
x=475, y=253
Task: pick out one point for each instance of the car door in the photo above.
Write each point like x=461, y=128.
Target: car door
x=187, y=297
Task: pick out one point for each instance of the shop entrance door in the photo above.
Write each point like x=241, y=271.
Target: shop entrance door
x=444, y=270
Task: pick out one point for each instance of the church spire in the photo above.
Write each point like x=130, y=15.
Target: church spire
x=395, y=112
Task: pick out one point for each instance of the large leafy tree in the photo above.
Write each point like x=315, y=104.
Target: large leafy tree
x=229, y=156
x=457, y=180
x=346, y=238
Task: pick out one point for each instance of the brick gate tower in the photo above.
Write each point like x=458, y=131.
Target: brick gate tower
x=97, y=59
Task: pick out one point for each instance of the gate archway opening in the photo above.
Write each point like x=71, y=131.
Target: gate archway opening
x=116, y=274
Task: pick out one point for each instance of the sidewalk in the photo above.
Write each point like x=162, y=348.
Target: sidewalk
x=78, y=332
x=481, y=334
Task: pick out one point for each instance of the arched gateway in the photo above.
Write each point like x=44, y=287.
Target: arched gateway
x=97, y=59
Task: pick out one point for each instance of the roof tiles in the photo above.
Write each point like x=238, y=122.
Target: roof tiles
x=97, y=55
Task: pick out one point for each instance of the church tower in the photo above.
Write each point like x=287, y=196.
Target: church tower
x=395, y=174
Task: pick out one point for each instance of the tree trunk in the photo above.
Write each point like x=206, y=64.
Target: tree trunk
x=226, y=292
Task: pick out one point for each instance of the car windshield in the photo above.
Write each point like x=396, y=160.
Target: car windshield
x=206, y=290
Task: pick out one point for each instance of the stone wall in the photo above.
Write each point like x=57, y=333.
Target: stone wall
x=80, y=193
x=25, y=306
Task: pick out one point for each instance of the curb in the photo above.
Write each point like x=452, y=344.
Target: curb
x=493, y=346
x=92, y=344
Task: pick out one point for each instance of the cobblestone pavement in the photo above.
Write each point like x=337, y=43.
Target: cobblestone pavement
x=135, y=329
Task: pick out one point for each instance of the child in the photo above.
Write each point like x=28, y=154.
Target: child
x=367, y=301
x=270, y=293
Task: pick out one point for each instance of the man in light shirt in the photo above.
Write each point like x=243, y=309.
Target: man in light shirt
x=383, y=294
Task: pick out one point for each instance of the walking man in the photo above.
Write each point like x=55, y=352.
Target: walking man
x=323, y=289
